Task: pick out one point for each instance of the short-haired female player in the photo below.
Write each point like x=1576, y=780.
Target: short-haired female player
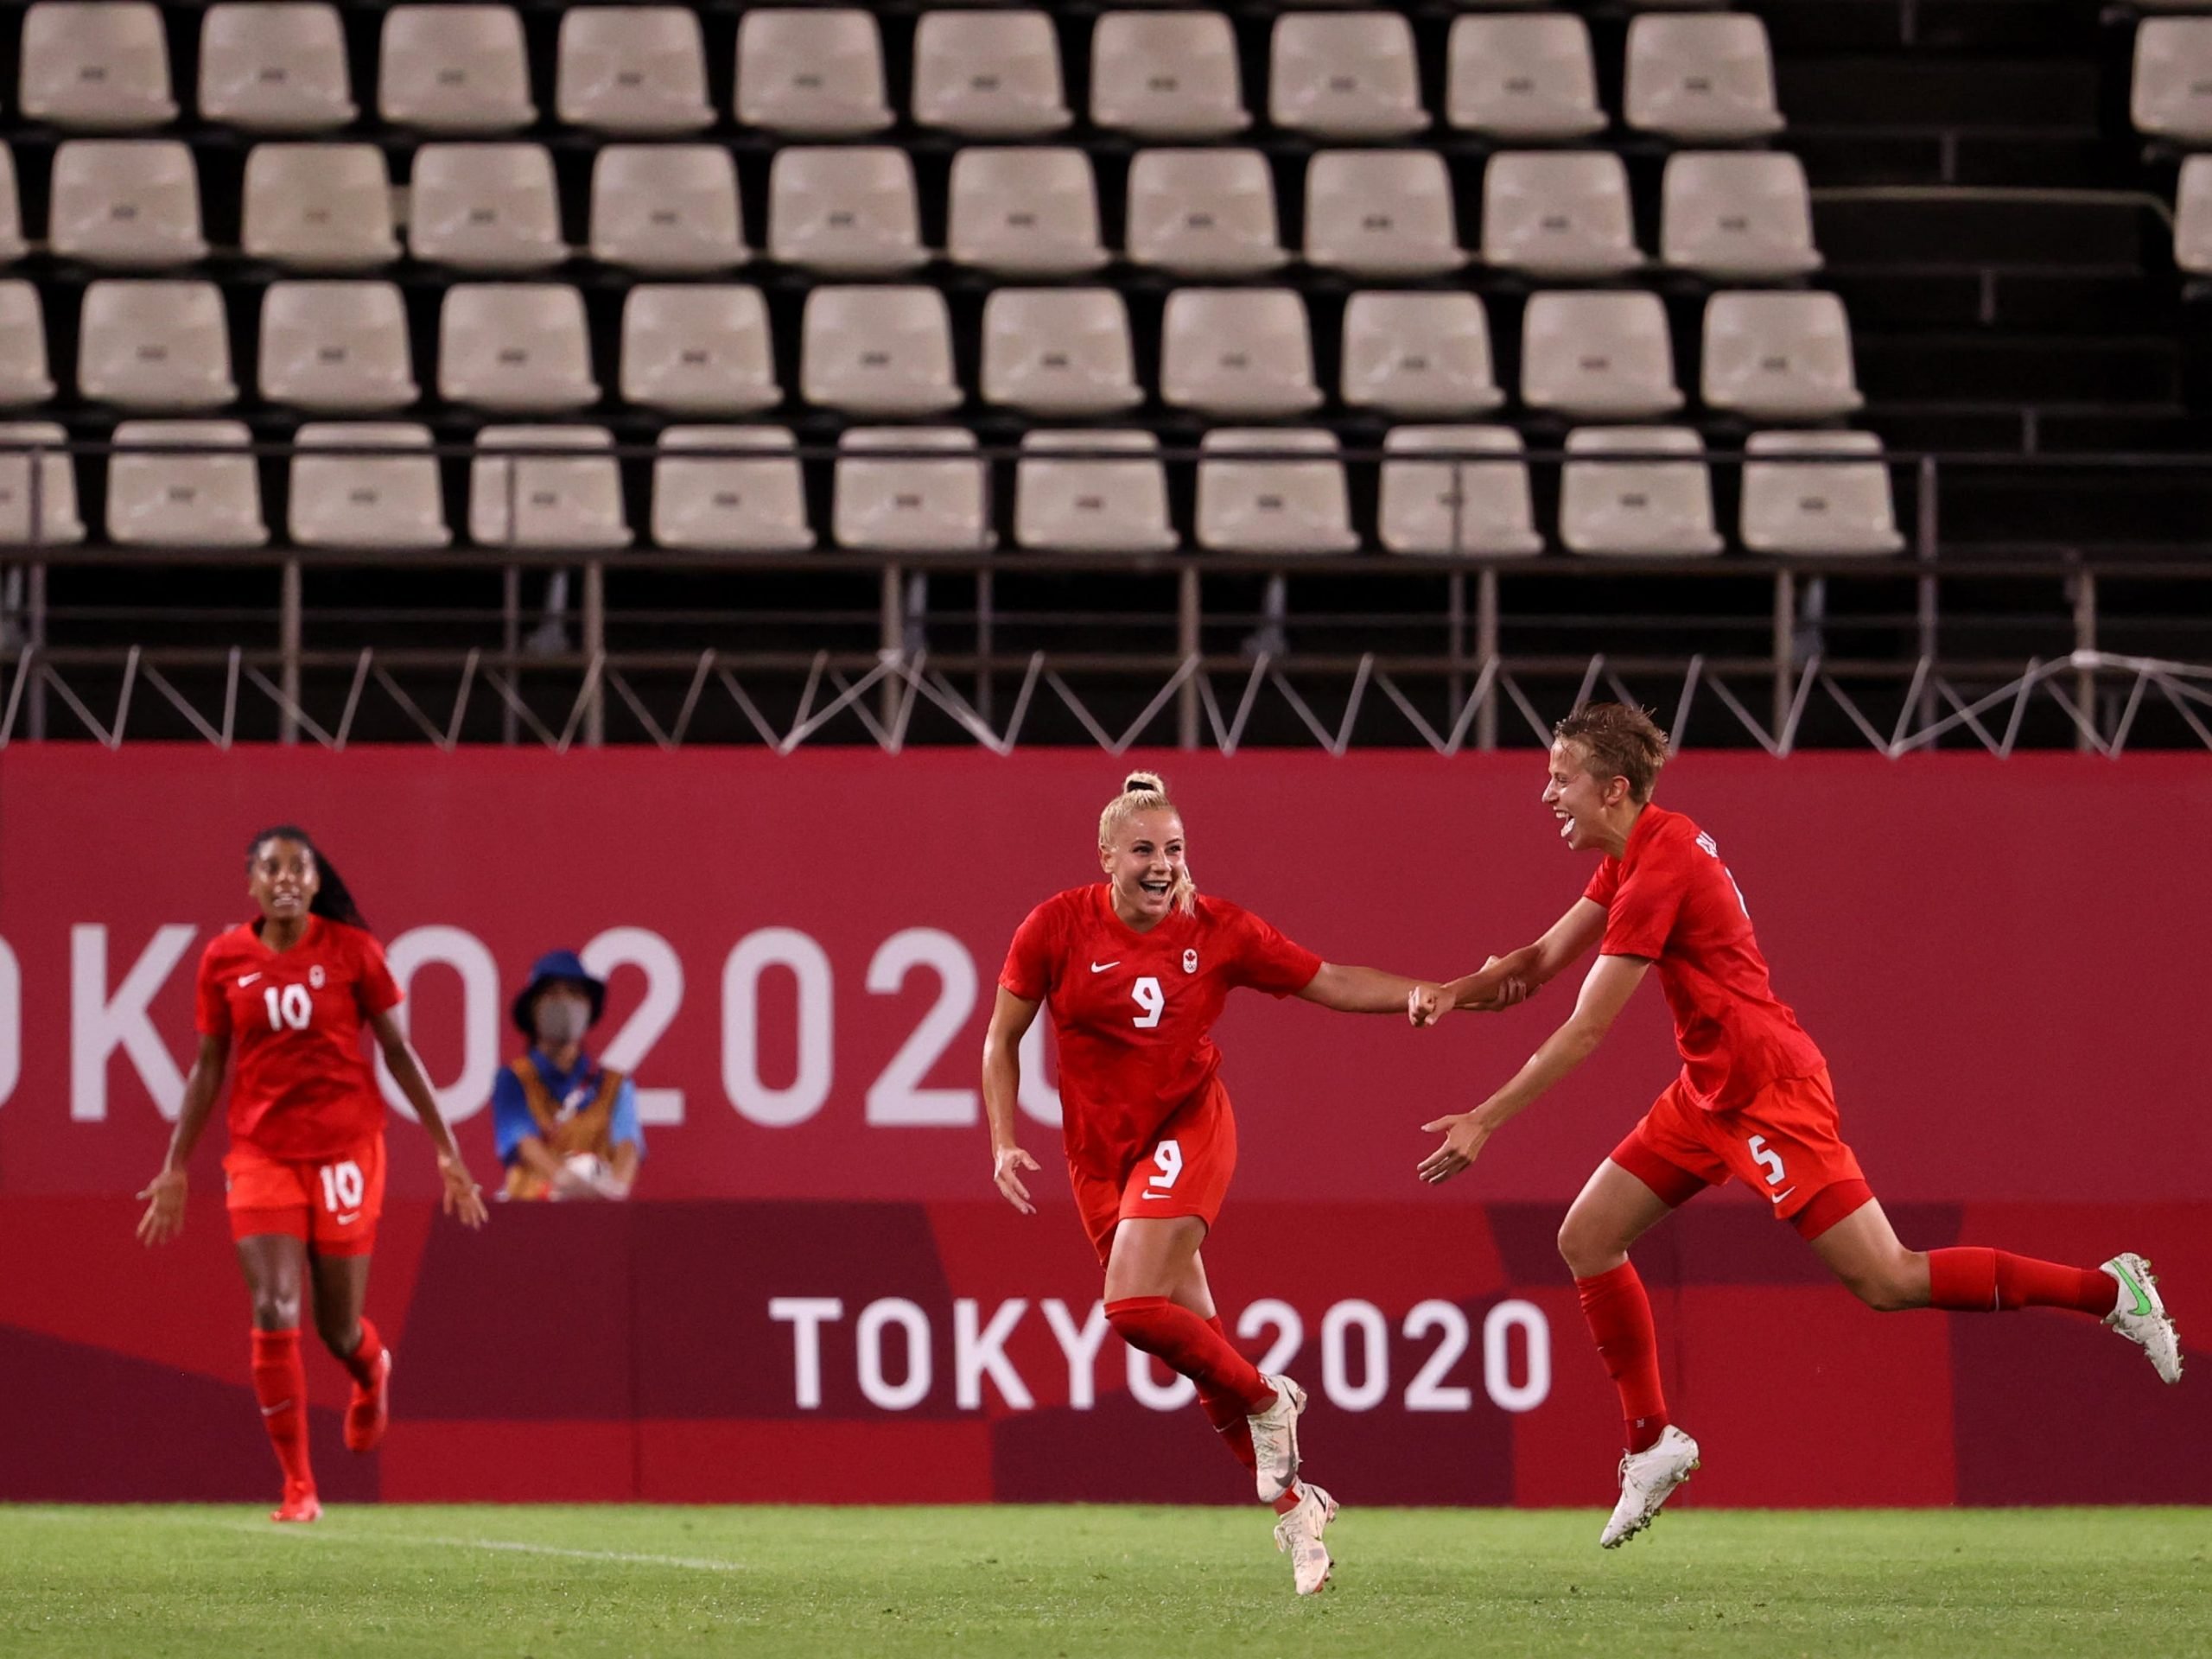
x=292, y=989
x=1753, y=1101
x=1136, y=969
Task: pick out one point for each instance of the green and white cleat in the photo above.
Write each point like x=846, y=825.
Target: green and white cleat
x=1647, y=1480
x=2141, y=1315
x=1299, y=1533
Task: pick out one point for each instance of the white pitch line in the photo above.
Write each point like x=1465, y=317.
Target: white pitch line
x=510, y=1546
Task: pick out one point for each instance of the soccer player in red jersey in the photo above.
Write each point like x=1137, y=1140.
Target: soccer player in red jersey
x=1753, y=1101
x=1136, y=969
x=305, y=1172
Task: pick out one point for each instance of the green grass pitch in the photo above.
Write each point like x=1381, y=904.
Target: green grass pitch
x=1131, y=1583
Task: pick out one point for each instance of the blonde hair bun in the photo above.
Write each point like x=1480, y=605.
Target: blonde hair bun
x=1144, y=783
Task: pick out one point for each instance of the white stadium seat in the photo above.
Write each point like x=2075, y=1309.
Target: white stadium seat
x=2170, y=96
x=1737, y=215
x=2193, y=216
x=1784, y=357
x=1418, y=353
x=1603, y=356
x=1058, y=352
x=12, y=246
x=45, y=515
x=666, y=208
x=877, y=351
x=753, y=502
x=1796, y=503
x=1345, y=75
x=157, y=497
x=811, y=71
x=698, y=349
x=1024, y=211
x=1526, y=76
x=991, y=73
x=1068, y=501
x=1699, y=76
x=515, y=346
x=99, y=66
x=129, y=203
x=1381, y=212
x=489, y=208
x=845, y=210
x=1559, y=214
x=454, y=68
x=154, y=344
x=911, y=502
x=557, y=502
x=632, y=69
x=1468, y=495
x=1166, y=75
x=1240, y=352
x=25, y=377
x=1281, y=505
x=1202, y=212
x=340, y=346
x=1657, y=508
x=274, y=66
x=379, y=501
x=319, y=206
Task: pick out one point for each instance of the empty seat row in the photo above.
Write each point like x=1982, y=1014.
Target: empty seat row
x=852, y=210
x=1443, y=490
x=103, y=65
x=346, y=346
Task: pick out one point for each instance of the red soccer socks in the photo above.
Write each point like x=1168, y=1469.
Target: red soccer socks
x=280, y=1384
x=1619, y=1317
x=1196, y=1347
x=1974, y=1280
x=370, y=1409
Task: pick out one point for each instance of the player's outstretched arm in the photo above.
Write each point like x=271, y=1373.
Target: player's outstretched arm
x=464, y=1199
x=164, y=1194
x=1516, y=975
x=1011, y=1017
x=1366, y=990
x=1605, y=993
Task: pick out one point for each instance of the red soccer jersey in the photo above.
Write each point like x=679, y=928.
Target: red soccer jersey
x=1135, y=1012
x=302, y=1088
x=1671, y=899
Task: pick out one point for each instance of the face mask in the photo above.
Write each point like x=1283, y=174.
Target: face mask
x=560, y=1021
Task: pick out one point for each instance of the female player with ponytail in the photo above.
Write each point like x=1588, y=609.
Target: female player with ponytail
x=1136, y=969
x=293, y=990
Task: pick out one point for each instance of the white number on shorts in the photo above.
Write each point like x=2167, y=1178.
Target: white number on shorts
x=1150, y=999
x=1168, y=1154
x=1767, y=1159
x=341, y=1186
x=290, y=1006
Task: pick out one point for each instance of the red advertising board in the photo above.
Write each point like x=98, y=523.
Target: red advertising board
x=1999, y=959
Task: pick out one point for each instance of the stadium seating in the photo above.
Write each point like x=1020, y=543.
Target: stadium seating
x=633, y=70
x=554, y=501
x=453, y=68
x=1381, y=212
x=275, y=68
x=1471, y=499
x=340, y=347
x=667, y=209
x=1825, y=507
x=169, y=485
x=382, y=502
x=319, y=206
x=1417, y=353
x=751, y=501
x=484, y=207
x=1345, y=75
x=892, y=496
x=1524, y=77
x=989, y=74
x=1638, y=505
x=96, y=67
x=1070, y=501
x=1251, y=500
x=130, y=204
x=698, y=349
x=1202, y=212
x=47, y=514
x=1058, y=352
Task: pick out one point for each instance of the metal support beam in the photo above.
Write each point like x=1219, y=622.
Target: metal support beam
x=594, y=644
x=289, y=629
x=2085, y=642
x=1486, y=653
x=1190, y=643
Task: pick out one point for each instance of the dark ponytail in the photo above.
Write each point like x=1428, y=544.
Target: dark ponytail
x=334, y=900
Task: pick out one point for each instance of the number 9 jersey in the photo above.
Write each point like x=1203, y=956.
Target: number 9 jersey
x=302, y=1090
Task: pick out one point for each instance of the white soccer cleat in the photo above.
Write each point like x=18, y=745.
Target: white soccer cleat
x=1300, y=1532
x=1275, y=1439
x=2141, y=1315
x=1647, y=1480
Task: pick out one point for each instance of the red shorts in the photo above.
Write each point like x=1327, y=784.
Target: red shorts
x=331, y=1205
x=1784, y=1144
x=1183, y=1170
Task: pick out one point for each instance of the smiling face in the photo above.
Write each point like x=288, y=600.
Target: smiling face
x=1144, y=865
x=1590, y=809
x=282, y=879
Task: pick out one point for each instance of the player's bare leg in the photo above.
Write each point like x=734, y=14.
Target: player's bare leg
x=1613, y=1210
x=342, y=1289
x=1864, y=1251
x=273, y=1264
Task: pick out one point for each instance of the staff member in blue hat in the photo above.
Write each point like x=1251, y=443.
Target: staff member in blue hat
x=567, y=1125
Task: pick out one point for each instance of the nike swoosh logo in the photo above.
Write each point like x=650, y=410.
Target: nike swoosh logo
x=2142, y=1302
x=1159, y=1195
x=247, y=981
x=282, y=1405
x=347, y=1221
x=1101, y=967
x=1784, y=1193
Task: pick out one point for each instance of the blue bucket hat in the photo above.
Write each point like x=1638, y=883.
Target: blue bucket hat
x=556, y=967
